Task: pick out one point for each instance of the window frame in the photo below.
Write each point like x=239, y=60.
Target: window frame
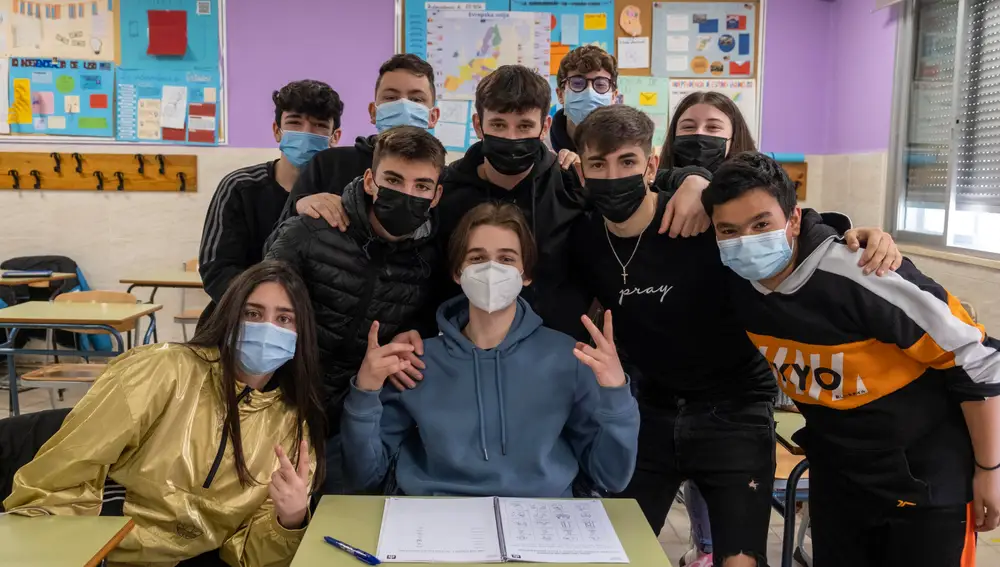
x=896, y=174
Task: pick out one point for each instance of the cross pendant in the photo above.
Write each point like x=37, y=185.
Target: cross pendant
x=624, y=277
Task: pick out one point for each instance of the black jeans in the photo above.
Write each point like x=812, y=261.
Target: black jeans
x=727, y=449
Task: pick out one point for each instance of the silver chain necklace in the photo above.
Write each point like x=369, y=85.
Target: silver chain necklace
x=634, y=250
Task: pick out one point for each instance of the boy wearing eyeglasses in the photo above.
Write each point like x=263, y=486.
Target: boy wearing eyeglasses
x=587, y=80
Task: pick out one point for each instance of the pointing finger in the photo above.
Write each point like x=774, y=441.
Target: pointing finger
x=373, y=336
x=609, y=328
x=595, y=333
x=283, y=461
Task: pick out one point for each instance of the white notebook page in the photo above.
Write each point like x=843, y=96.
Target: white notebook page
x=441, y=530
x=559, y=531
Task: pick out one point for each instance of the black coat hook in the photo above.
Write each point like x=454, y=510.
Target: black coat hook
x=58, y=167
x=121, y=180
x=100, y=180
x=79, y=162
x=163, y=167
x=183, y=179
x=17, y=178
x=142, y=163
x=38, y=178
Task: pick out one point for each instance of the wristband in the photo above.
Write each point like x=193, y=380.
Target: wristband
x=993, y=468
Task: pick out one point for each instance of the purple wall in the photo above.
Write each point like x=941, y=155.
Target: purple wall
x=269, y=44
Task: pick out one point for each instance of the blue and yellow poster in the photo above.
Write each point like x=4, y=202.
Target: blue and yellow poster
x=68, y=97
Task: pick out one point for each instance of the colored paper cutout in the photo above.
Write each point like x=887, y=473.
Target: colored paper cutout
x=595, y=22
x=726, y=43
x=93, y=123
x=167, y=32
x=736, y=22
x=202, y=36
x=570, y=29
x=677, y=23
x=43, y=102
x=41, y=77
x=65, y=84
x=708, y=26
x=210, y=94
x=739, y=67
x=744, y=44
x=173, y=134
x=39, y=124
x=677, y=63
x=630, y=20
x=699, y=65
x=678, y=43
x=717, y=68
x=556, y=53
x=91, y=83
x=648, y=99
x=98, y=101
x=703, y=42
x=20, y=103
x=71, y=104
x=56, y=122
x=650, y=95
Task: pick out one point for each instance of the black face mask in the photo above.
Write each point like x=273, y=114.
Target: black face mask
x=398, y=213
x=511, y=157
x=617, y=199
x=700, y=150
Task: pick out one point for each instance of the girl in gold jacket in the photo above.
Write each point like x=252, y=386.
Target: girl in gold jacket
x=205, y=445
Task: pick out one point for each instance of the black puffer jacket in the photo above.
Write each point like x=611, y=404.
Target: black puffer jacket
x=355, y=278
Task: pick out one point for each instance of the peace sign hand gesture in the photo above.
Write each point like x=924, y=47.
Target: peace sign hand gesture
x=603, y=360
x=381, y=361
x=289, y=488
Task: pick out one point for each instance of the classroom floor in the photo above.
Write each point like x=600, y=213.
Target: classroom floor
x=675, y=534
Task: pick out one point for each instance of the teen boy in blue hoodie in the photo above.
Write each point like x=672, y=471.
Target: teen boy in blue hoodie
x=509, y=407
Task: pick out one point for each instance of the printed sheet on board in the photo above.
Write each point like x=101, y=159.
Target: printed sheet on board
x=68, y=97
x=705, y=39
x=574, y=23
x=742, y=91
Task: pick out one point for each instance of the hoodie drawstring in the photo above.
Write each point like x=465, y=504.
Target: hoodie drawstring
x=479, y=405
x=503, y=409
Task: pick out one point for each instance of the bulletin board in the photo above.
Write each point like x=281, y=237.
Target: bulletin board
x=62, y=61
x=705, y=39
x=633, y=30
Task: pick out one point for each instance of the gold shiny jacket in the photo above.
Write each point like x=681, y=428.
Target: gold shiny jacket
x=153, y=424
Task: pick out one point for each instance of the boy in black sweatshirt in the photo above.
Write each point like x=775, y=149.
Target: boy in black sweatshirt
x=898, y=385
x=248, y=202
x=404, y=96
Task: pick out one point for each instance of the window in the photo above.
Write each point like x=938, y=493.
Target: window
x=945, y=154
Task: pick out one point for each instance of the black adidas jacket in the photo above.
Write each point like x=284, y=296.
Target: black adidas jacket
x=355, y=278
x=331, y=170
x=878, y=367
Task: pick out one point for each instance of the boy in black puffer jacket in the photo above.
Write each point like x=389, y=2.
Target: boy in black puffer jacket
x=378, y=270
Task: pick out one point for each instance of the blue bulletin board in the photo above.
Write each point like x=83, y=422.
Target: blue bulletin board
x=68, y=97
x=705, y=39
x=140, y=27
x=577, y=22
x=180, y=107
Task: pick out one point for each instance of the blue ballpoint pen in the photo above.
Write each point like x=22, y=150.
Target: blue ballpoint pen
x=363, y=556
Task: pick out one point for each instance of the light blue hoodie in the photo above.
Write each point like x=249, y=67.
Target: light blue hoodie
x=521, y=419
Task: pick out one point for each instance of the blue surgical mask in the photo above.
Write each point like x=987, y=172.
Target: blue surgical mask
x=264, y=347
x=300, y=147
x=759, y=256
x=402, y=112
x=580, y=105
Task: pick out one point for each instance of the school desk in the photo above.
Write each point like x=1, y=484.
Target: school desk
x=169, y=279
x=60, y=541
x=48, y=315
x=787, y=423
x=357, y=521
x=55, y=277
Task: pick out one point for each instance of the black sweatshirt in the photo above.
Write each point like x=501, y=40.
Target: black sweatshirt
x=559, y=133
x=244, y=210
x=330, y=171
x=672, y=315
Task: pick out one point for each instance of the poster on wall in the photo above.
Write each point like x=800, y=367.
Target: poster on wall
x=67, y=30
x=704, y=39
x=650, y=95
x=170, y=34
x=180, y=107
x=742, y=91
x=574, y=23
x=415, y=14
x=68, y=97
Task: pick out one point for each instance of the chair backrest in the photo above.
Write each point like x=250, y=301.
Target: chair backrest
x=98, y=296
x=20, y=439
x=191, y=265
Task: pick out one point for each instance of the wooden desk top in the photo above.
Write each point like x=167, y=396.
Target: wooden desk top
x=60, y=541
x=58, y=276
x=785, y=462
x=357, y=520
x=786, y=424
x=50, y=313
x=190, y=280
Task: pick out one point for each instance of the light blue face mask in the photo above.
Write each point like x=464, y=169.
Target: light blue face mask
x=580, y=105
x=264, y=347
x=300, y=147
x=758, y=256
x=402, y=112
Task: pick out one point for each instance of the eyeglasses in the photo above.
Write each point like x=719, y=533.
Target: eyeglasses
x=579, y=83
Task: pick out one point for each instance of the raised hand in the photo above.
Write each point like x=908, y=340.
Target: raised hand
x=603, y=359
x=289, y=488
x=381, y=361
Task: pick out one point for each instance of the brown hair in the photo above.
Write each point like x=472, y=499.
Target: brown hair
x=610, y=128
x=742, y=140
x=411, y=144
x=411, y=63
x=298, y=378
x=513, y=88
x=587, y=59
x=503, y=215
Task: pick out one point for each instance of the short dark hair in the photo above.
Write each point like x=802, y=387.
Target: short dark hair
x=492, y=213
x=746, y=172
x=611, y=128
x=411, y=144
x=742, y=140
x=312, y=98
x=587, y=59
x=513, y=88
x=412, y=64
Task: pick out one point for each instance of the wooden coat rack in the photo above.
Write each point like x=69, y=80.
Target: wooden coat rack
x=82, y=171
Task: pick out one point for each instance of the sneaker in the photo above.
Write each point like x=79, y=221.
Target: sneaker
x=703, y=561
x=688, y=559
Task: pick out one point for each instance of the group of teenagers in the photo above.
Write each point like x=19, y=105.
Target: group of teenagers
x=537, y=322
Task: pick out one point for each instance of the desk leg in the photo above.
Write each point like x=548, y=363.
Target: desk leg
x=788, y=540
x=152, y=297
x=12, y=383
